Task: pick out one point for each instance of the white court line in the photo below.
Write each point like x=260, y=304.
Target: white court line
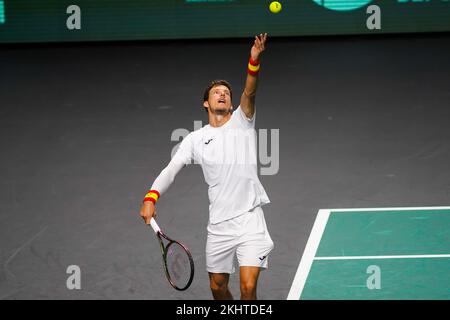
x=387, y=209
x=308, y=255
x=417, y=256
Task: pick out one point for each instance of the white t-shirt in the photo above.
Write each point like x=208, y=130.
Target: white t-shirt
x=228, y=157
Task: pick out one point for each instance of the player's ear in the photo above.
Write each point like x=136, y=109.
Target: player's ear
x=206, y=104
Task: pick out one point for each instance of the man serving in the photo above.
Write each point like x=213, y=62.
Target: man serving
x=226, y=150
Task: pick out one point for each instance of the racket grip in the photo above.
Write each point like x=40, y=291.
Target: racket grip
x=154, y=225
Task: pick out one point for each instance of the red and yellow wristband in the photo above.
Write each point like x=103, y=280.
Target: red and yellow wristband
x=253, y=67
x=152, y=195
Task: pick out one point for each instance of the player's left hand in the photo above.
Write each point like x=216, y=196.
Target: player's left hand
x=258, y=46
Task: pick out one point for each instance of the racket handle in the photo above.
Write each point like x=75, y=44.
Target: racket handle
x=154, y=225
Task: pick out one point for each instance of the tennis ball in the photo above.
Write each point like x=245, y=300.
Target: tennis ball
x=275, y=7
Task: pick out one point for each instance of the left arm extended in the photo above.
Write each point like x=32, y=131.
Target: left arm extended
x=249, y=94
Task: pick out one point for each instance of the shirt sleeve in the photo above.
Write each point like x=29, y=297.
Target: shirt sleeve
x=185, y=152
x=182, y=157
x=243, y=120
x=167, y=176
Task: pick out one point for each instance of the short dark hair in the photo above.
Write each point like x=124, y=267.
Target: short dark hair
x=213, y=84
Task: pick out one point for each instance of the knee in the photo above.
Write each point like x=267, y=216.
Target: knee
x=248, y=288
x=217, y=288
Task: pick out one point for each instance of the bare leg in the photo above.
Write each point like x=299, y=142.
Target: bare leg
x=219, y=286
x=249, y=279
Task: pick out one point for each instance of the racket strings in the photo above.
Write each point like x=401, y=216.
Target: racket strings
x=178, y=265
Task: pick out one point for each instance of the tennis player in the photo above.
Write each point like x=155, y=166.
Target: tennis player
x=226, y=151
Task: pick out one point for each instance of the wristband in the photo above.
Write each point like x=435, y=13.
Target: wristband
x=253, y=67
x=152, y=195
x=253, y=62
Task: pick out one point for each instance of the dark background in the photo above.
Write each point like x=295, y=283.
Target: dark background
x=86, y=128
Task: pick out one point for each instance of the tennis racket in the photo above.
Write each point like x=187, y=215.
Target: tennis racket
x=178, y=262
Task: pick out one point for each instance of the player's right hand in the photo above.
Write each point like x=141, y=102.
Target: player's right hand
x=148, y=211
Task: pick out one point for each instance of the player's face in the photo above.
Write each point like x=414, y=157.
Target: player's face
x=220, y=99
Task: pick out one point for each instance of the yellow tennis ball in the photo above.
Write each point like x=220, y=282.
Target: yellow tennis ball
x=275, y=7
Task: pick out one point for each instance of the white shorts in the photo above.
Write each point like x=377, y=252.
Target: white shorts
x=246, y=236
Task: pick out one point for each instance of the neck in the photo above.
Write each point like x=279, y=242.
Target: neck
x=218, y=120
